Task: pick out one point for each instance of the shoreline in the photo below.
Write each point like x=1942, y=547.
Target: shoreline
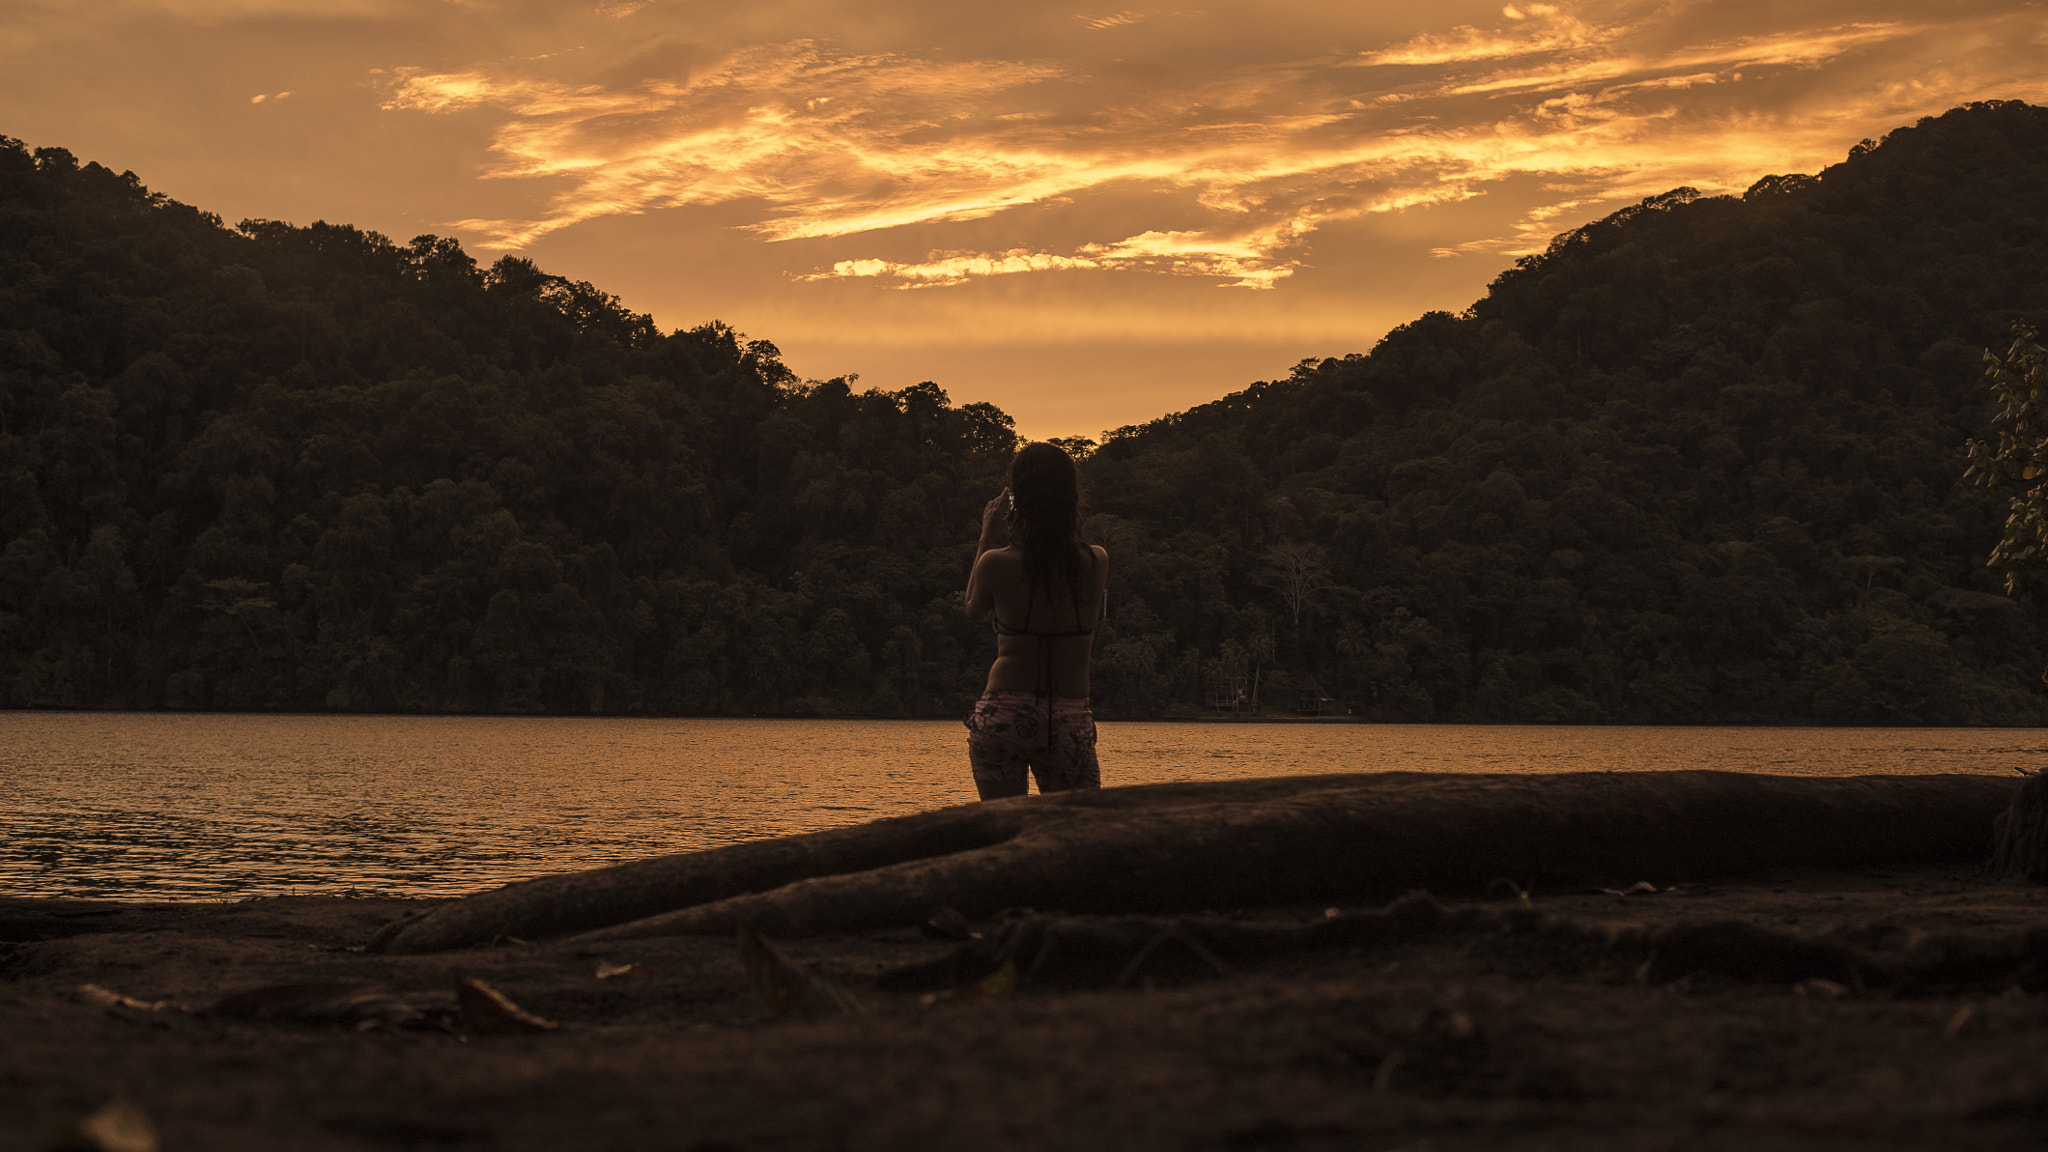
x=950, y=719
x=1555, y=1028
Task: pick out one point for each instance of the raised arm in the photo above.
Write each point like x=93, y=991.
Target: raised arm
x=995, y=533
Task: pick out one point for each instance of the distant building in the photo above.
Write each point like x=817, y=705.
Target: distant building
x=1313, y=701
x=1226, y=693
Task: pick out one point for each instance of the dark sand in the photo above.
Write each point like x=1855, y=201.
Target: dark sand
x=1493, y=1039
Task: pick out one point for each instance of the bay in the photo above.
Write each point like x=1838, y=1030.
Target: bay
x=182, y=806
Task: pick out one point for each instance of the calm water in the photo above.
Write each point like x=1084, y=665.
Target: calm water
x=188, y=807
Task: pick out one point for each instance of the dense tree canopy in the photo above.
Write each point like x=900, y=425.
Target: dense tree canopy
x=1700, y=461
x=278, y=467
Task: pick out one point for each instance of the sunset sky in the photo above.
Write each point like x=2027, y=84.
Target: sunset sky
x=1089, y=216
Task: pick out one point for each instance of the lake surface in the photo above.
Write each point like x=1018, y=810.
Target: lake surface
x=206, y=807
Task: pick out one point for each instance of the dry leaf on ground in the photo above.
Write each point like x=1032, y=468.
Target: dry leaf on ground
x=118, y=1127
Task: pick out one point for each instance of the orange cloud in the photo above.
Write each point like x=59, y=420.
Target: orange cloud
x=1096, y=23
x=1597, y=107
x=837, y=143
x=1533, y=28
x=1245, y=259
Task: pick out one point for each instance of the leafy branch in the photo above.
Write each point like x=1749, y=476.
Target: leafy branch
x=2019, y=458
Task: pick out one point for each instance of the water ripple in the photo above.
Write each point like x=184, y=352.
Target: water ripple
x=200, y=807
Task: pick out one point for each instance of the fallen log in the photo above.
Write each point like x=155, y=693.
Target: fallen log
x=1241, y=843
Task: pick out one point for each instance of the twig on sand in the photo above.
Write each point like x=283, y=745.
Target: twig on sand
x=789, y=991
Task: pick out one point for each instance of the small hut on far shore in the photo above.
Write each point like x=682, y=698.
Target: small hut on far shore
x=1313, y=701
x=1226, y=693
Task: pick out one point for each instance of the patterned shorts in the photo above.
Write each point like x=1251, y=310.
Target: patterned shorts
x=1010, y=731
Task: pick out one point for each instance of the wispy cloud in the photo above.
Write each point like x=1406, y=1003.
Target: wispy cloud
x=1593, y=106
x=1531, y=28
x=833, y=143
x=1245, y=260
x=1097, y=23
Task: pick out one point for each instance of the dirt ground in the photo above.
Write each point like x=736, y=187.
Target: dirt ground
x=1903, y=1009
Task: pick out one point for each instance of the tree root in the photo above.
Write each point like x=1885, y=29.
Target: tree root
x=1072, y=953
x=1245, y=843
x=2020, y=841
x=1078, y=952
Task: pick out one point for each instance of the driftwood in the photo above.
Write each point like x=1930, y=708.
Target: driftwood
x=1178, y=847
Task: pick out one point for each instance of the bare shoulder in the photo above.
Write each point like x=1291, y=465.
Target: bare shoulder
x=1000, y=563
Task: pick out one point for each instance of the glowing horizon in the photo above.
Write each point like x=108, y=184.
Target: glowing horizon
x=1033, y=207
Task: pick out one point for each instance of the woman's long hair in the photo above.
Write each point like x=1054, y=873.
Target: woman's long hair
x=1046, y=523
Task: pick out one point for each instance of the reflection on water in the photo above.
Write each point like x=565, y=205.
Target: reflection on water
x=189, y=807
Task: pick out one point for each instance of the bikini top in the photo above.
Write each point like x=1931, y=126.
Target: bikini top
x=1045, y=639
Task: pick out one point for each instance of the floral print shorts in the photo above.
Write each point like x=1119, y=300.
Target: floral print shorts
x=1008, y=732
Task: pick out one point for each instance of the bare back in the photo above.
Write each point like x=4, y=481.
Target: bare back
x=1043, y=641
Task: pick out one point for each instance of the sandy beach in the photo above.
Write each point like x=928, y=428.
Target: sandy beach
x=1899, y=1008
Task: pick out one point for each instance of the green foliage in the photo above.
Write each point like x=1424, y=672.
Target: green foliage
x=1700, y=461
x=310, y=468
x=2019, y=458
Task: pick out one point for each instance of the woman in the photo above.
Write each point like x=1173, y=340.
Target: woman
x=1044, y=589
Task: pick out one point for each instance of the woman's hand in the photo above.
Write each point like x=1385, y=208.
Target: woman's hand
x=995, y=522
x=995, y=533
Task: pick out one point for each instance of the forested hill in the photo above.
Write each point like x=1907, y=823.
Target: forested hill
x=1699, y=461
x=308, y=468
